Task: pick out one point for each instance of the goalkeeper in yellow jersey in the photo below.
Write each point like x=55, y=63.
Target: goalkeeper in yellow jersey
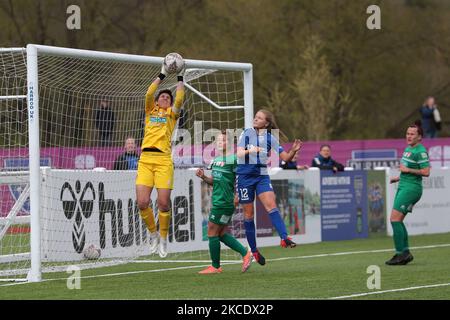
x=155, y=167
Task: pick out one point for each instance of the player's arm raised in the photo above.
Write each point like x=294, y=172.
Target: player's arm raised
x=179, y=97
x=150, y=95
x=287, y=156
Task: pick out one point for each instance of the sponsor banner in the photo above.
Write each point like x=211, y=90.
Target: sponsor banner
x=343, y=205
x=432, y=213
x=342, y=151
x=359, y=154
x=290, y=201
x=372, y=164
x=298, y=200
x=368, y=154
x=376, y=201
x=85, y=207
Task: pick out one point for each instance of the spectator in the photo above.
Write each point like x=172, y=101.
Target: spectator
x=323, y=160
x=129, y=159
x=104, y=122
x=431, y=121
x=292, y=165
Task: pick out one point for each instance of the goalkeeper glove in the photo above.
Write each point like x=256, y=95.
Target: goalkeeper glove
x=163, y=72
x=180, y=75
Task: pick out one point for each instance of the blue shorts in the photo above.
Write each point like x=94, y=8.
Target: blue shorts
x=248, y=184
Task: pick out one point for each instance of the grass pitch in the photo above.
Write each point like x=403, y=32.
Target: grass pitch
x=326, y=270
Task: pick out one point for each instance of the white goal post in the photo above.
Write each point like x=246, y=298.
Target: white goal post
x=125, y=78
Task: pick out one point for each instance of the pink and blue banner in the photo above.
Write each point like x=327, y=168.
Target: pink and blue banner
x=368, y=154
x=359, y=154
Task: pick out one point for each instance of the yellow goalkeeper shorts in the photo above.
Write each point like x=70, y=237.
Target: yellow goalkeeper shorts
x=155, y=170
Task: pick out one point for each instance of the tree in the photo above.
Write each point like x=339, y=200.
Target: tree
x=324, y=103
x=371, y=82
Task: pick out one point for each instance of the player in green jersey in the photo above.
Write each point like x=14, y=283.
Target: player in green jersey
x=414, y=165
x=223, y=207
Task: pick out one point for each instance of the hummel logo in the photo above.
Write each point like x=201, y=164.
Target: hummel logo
x=79, y=204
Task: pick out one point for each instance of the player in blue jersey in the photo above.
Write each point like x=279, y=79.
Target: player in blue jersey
x=253, y=151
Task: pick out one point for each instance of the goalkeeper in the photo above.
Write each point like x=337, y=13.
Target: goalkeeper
x=155, y=167
x=223, y=182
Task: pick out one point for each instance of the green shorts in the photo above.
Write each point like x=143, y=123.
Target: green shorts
x=405, y=199
x=221, y=216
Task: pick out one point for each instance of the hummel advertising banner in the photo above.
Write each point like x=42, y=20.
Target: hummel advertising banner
x=86, y=207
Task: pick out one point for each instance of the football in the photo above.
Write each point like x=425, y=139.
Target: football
x=92, y=252
x=173, y=62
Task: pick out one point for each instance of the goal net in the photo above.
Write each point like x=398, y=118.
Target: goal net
x=66, y=117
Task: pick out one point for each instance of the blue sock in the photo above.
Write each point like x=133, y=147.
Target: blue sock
x=278, y=223
x=250, y=232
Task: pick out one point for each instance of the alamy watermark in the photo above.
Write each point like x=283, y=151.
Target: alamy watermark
x=74, y=280
x=374, y=280
x=73, y=21
x=373, y=22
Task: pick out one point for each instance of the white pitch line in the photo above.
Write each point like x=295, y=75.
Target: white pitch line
x=111, y=274
x=183, y=261
x=233, y=262
x=298, y=257
x=391, y=290
x=357, y=252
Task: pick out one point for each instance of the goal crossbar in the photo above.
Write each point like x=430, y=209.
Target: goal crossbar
x=2, y=50
x=121, y=57
x=13, y=97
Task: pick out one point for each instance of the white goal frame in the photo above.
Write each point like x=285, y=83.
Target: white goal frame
x=32, y=52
